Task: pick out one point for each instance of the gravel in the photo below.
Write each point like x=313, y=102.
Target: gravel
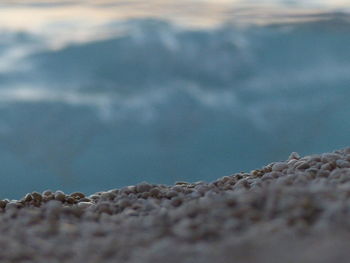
x=296, y=210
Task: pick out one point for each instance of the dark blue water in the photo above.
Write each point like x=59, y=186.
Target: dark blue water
x=160, y=102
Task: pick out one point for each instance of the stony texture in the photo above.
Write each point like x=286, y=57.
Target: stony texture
x=292, y=211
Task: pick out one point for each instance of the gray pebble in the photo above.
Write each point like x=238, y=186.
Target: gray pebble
x=47, y=193
x=327, y=166
x=108, y=196
x=299, y=203
x=294, y=155
x=143, y=187
x=328, y=157
x=280, y=166
x=343, y=164
x=155, y=192
x=60, y=196
x=11, y=205
x=84, y=205
x=302, y=165
x=171, y=194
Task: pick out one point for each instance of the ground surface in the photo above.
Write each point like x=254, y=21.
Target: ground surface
x=292, y=211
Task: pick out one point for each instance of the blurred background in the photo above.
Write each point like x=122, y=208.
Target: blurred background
x=96, y=95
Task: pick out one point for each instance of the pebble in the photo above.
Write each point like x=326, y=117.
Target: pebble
x=155, y=192
x=28, y=198
x=11, y=205
x=2, y=204
x=181, y=183
x=302, y=165
x=143, y=187
x=84, y=204
x=60, y=196
x=77, y=195
x=343, y=164
x=171, y=194
x=53, y=207
x=323, y=173
x=70, y=200
x=47, y=192
x=327, y=166
x=328, y=157
x=280, y=166
x=294, y=155
x=85, y=199
x=108, y=195
x=37, y=197
x=285, y=209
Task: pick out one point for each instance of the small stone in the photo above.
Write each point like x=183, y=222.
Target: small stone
x=53, y=207
x=323, y=173
x=347, y=150
x=337, y=173
x=143, y=187
x=176, y=202
x=104, y=207
x=37, y=197
x=60, y=196
x=171, y=194
x=181, y=183
x=2, y=204
x=131, y=188
x=315, y=158
x=70, y=200
x=292, y=162
x=145, y=195
x=84, y=205
x=68, y=229
x=280, y=166
x=342, y=164
x=108, y=196
x=94, y=197
x=47, y=193
x=124, y=203
x=48, y=197
x=155, y=192
x=130, y=212
x=85, y=199
x=328, y=157
x=312, y=171
x=11, y=205
x=302, y=166
x=294, y=155
x=19, y=204
x=28, y=198
x=327, y=166
x=178, y=188
x=77, y=195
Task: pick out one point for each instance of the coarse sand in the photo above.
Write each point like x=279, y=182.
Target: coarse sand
x=293, y=211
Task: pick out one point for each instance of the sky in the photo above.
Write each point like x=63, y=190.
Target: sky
x=65, y=22
x=29, y=15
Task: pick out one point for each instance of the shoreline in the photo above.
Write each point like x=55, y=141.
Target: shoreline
x=296, y=210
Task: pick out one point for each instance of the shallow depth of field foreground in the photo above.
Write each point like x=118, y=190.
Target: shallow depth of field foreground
x=297, y=210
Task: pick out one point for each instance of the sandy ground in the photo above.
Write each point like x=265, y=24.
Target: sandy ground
x=292, y=211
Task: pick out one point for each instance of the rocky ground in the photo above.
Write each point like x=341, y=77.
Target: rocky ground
x=297, y=210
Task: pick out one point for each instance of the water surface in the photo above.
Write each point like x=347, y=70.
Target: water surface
x=99, y=95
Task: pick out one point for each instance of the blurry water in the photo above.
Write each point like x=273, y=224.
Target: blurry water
x=105, y=94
